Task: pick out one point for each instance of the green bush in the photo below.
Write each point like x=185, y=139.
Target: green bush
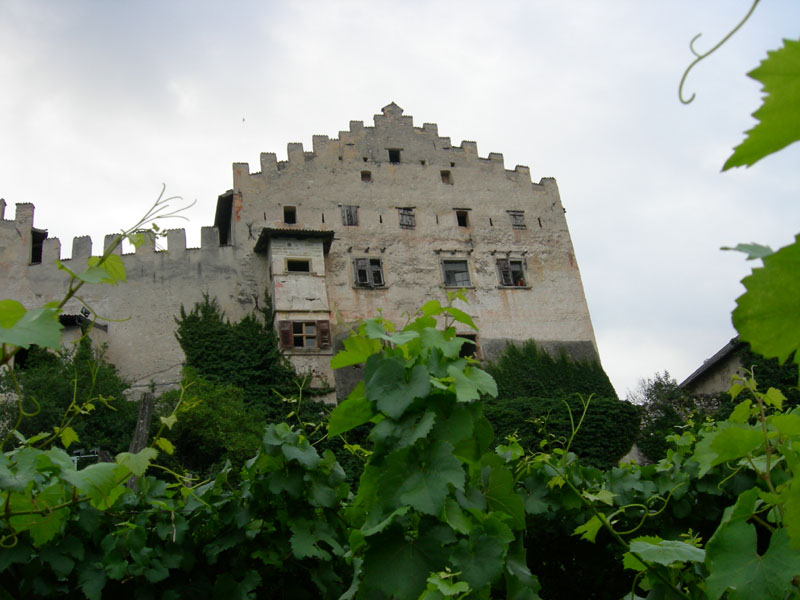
x=605, y=436
x=53, y=380
x=527, y=372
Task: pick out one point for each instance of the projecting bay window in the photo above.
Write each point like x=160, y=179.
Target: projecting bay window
x=349, y=215
x=407, y=218
x=455, y=273
x=304, y=334
x=368, y=272
x=511, y=272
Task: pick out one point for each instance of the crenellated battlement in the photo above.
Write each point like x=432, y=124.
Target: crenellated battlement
x=369, y=145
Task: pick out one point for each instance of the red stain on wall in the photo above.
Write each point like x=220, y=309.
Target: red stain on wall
x=237, y=207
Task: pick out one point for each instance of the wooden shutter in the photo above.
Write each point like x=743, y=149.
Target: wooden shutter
x=376, y=269
x=323, y=334
x=504, y=269
x=285, y=334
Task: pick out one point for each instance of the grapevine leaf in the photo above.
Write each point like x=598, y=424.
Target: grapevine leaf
x=460, y=316
x=629, y=561
x=357, y=349
x=427, y=484
x=435, y=338
x=432, y=308
x=501, y=493
x=778, y=115
x=785, y=424
x=11, y=311
x=169, y=421
x=137, y=463
x=387, y=386
x=774, y=397
x=354, y=411
x=482, y=380
x=735, y=442
x=68, y=436
x=39, y=326
x=165, y=445
x=666, y=552
x=791, y=513
x=752, y=250
x=466, y=389
x=767, y=315
x=98, y=482
x=45, y=525
x=734, y=563
x=589, y=529
x=92, y=580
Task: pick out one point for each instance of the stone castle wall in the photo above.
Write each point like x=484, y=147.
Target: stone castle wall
x=396, y=197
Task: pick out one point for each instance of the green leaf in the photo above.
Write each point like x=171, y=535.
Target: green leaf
x=589, y=529
x=43, y=526
x=482, y=380
x=165, y=445
x=767, y=315
x=114, y=267
x=92, y=580
x=604, y=496
x=137, y=463
x=752, y=250
x=779, y=118
x=742, y=412
x=169, y=421
x=68, y=436
x=735, y=565
x=435, y=338
x=785, y=424
x=735, y=442
x=427, y=480
x=666, y=552
x=387, y=386
x=99, y=482
x=355, y=410
x=357, y=349
x=460, y=316
x=11, y=311
x=774, y=397
x=501, y=492
x=432, y=308
x=39, y=326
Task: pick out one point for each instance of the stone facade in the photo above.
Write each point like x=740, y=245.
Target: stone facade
x=381, y=219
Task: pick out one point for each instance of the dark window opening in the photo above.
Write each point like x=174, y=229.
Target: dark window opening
x=422, y=162
x=511, y=273
x=349, y=215
x=365, y=159
x=366, y=176
x=294, y=265
x=289, y=215
x=368, y=272
x=468, y=349
x=452, y=164
x=517, y=219
x=304, y=334
x=462, y=217
x=456, y=273
x=407, y=219
x=394, y=155
x=38, y=236
x=223, y=218
x=446, y=177
x=323, y=217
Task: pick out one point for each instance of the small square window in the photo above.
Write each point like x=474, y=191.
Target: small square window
x=446, y=177
x=366, y=176
x=517, y=219
x=456, y=273
x=407, y=218
x=298, y=265
x=511, y=272
x=368, y=272
x=349, y=215
x=304, y=334
x=289, y=215
x=462, y=218
x=394, y=155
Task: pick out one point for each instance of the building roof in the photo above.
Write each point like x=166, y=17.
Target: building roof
x=269, y=233
x=711, y=363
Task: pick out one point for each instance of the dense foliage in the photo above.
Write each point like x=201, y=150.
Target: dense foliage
x=604, y=437
x=525, y=371
x=50, y=382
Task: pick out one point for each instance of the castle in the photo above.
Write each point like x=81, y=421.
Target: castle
x=383, y=218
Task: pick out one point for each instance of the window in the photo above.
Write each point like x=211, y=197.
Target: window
x=407, y=219
x=349, y=215
x=368, y=272
x=511, y=273
x=289, y=215
x=456, y=273
x=394, y=155
x=304, y=334
x=470, y=348
x=366, y=176
x=38, y=236
x=517, y=219
x=446, y=177
x=298, y=265
x=462, y=218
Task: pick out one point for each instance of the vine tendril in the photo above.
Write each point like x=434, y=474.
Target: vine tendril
x=700, y=56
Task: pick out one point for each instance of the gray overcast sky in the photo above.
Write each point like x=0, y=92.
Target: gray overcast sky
x=101, y=102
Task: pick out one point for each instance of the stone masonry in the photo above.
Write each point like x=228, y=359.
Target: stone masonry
x=381, y=219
